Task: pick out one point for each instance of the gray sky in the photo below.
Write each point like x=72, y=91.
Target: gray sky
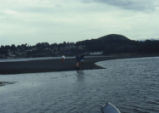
x=32, y=21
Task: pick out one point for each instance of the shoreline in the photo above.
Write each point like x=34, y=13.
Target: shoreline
x=47, y=65
x=56, y=65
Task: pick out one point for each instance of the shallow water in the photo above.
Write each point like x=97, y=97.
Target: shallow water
x=131, y=84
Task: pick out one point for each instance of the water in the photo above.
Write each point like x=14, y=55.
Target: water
x=131, y=84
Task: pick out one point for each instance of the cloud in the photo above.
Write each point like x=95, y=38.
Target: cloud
x=139, y=5
x=32, y=21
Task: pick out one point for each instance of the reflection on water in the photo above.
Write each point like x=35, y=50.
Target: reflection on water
x=131, y=84
x=80, y=75
x=5, y=83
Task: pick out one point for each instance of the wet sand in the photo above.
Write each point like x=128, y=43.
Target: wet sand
x=48, y=65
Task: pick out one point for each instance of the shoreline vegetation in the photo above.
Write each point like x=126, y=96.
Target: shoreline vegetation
x=106, y=45
x=57, y=65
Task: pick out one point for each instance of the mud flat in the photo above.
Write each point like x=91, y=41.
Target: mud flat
x=48, y=65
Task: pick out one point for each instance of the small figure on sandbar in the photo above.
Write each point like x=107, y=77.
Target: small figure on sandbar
x=63, y=58
x=79, y=60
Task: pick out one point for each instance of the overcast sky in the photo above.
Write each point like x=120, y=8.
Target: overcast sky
x=32, y=21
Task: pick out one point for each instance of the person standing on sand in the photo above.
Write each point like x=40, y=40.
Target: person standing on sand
x=63, y=58
x=79, y=59
x=82, y=58
x=77, y=62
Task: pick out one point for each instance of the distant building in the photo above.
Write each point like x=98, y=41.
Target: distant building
x=11, y=54
x=96, y=53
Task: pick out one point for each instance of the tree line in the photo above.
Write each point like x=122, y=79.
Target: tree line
x=110, y=44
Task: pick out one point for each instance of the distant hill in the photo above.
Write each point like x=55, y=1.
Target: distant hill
x=109, y=43
x=114, y=37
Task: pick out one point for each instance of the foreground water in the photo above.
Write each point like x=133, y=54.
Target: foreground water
x=131, y=84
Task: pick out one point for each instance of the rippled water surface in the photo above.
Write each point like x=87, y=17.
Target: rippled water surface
x=131, y=84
